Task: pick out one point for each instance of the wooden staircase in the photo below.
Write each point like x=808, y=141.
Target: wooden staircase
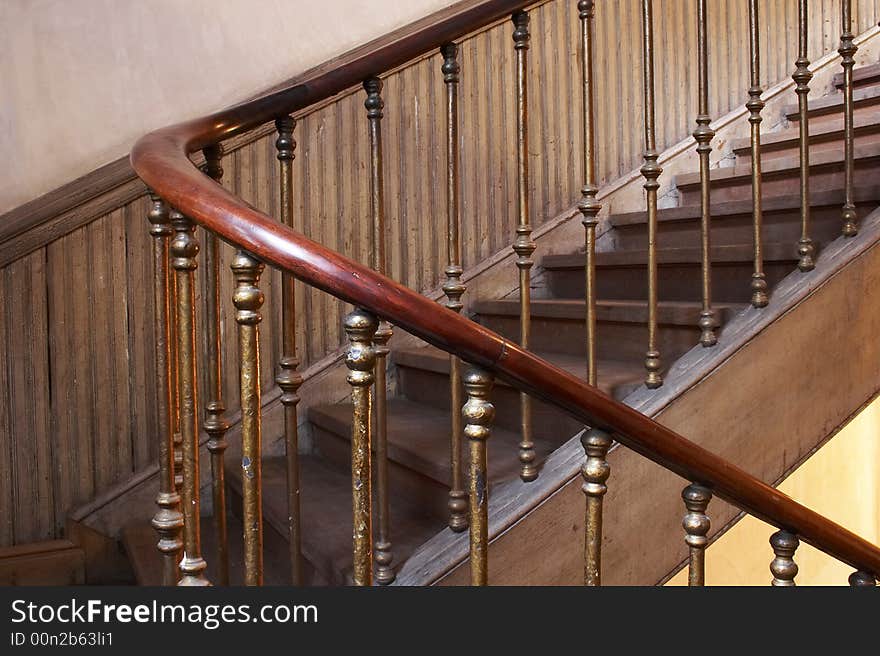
x=418, y=413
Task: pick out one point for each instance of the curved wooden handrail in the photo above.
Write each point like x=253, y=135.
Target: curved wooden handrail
x=161, y=160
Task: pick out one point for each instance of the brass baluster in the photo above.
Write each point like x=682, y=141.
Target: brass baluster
x=595, y=473
x=802, y=76
x=478, y=414
x=175, y=390
x=703, y=135
x=523, y=245
x=696, y=527
x=384, y=557
x=184, y=249
x=588, y=205
x=168, y=521
x=755, y=105
x=847, y=53
x=361, y=326
x=783, y=567
x=215, y=423
x=453, y=287
x=248, y=299
x=288, y=378
x=861, y=579
x=651, y=171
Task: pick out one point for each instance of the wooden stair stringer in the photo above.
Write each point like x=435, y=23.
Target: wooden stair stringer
x=552, y=553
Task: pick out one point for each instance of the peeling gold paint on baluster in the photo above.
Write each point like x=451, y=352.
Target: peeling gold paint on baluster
x=755, y=105
x=783, y=567
x=802, y=76
x=696, y=527
x=847, y=52
x=595, y=473
x=478, y=414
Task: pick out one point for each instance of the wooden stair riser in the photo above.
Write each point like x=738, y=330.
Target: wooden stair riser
x=865, y=101
x=819, y=144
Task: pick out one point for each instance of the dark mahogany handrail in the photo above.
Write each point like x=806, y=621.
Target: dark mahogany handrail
x=161, y=159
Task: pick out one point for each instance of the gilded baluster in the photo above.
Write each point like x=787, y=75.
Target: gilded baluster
x=288, y=378
x=374, y=106
x=589, y=207
x=523, y=245
x=783, y=567
x=175, y=391
x=184, y=250
x=215, y=422
x=755, y=105
x=248, y=299
x=862, y=579
x=361, y=326
x=847, y=53
x=478, y=414
x=802, y=76
x=453, y=287
x=696, y=527
x=703, y=135
x=595, y=473
x=651, y=171
x=168, y=520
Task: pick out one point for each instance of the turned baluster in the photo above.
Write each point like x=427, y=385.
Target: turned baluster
x=384, y=557
x=783, y=567
x=862, y=579
x=168, y=521
x=453, y=287
x=802, y=76
x=184, y=249
x=215, y=422
x=696, y=527
x=703, y=135
x=755, y=105
x=651, y=171
x=360, y=358
x=589, y=207
x=847, y=53
x=248, y=299
x=523, y=245
x=288, y=378
x=595, y=473
x=478, y=414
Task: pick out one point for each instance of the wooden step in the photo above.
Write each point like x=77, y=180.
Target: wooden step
x=622, y=274
x=866, y=98
x=50, y=562
x=423, y=377
x=782, y=176
x=732, y=220
x=863, y=76
x=558, y=325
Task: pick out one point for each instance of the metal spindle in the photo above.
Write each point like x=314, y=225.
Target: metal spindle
x=847, y=53
x=248, y=299
x=588, y=205
x=361, y=326
x=177, y=440
x=755, y=105
x=453, y=287
x=184, y=249
x=783, y=567
x=215, y=423
x=168, y=520
x=288, y=378
x=651, y=171
x=384, y=557
x=802, y=77
x=696, y=527
x=862, y=579
x=523, y=245
x=595, y=473
x=478, y=414
x=703, y=135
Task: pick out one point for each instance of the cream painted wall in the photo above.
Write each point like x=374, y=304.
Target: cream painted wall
x=839, y=481
x=80, y=80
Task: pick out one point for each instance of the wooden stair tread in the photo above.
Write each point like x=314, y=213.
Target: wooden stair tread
x=685, y=255
x=325, y=498
x=732, y=208
x=612, y=374
x=834, y=103
x=683, y=313
x=418, y=438
x=821, y=133
x=862, y=76
x=789, y=165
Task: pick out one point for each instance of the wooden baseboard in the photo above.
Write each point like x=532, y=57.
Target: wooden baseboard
x=55, y=562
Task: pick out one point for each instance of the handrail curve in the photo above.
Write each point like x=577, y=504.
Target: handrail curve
x=161, y=159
